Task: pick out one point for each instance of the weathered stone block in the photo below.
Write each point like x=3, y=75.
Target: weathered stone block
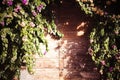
x=46, y=63
x=46, y=74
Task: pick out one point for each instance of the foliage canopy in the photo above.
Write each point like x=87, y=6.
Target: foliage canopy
x=105, y=36
x=23, y=27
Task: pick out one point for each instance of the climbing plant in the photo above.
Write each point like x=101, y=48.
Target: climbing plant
x=23, y=27
x=105, y=36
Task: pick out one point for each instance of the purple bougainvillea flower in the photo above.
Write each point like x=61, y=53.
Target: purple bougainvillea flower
x=114, y=46
x=10, y=2
x=39, y=8
x=34, y=13
x=32, y=24
x=17, y=8
x=3, y=2
x=25, y=2
x=105, y=13
x=45, y=52
x=90, y=51
x=117, y=56
x=103, y=62
x=2, y=23
x=111, y=69
x=116, y=32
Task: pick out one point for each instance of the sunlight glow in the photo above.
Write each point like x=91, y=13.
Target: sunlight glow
x=66, y=23
x=80, y=33
x=81, y=25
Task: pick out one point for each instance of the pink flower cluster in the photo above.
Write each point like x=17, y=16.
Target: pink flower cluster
x=34, y=13
x=117, y=32
x=111, y=69
x=114, y=46
x=8, y=2
x=25, y=2
x=103, y=62
x=39, y=8
x=90, y=51
x=2, y=23
x=17, y=9
x=32, y=24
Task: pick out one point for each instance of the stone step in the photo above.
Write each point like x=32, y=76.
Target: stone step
x=79, y=75
x=90, y=75
x=46, y=63
x=46, y=74
x=78, y=63
x=76, y=45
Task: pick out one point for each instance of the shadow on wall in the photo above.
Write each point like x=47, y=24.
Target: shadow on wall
x=76, y=26
x=77, y=65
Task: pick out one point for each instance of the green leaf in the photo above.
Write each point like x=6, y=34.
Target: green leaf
x=102, y=32
x=106, y=43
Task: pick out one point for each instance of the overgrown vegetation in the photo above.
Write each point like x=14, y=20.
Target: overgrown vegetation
x=105, y=36
x=23, y=27
x=25, y=23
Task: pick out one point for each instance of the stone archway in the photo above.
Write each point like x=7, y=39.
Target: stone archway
x=67, y=58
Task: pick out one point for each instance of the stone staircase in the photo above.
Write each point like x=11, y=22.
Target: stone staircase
x=76, y=26
x=67, y=58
